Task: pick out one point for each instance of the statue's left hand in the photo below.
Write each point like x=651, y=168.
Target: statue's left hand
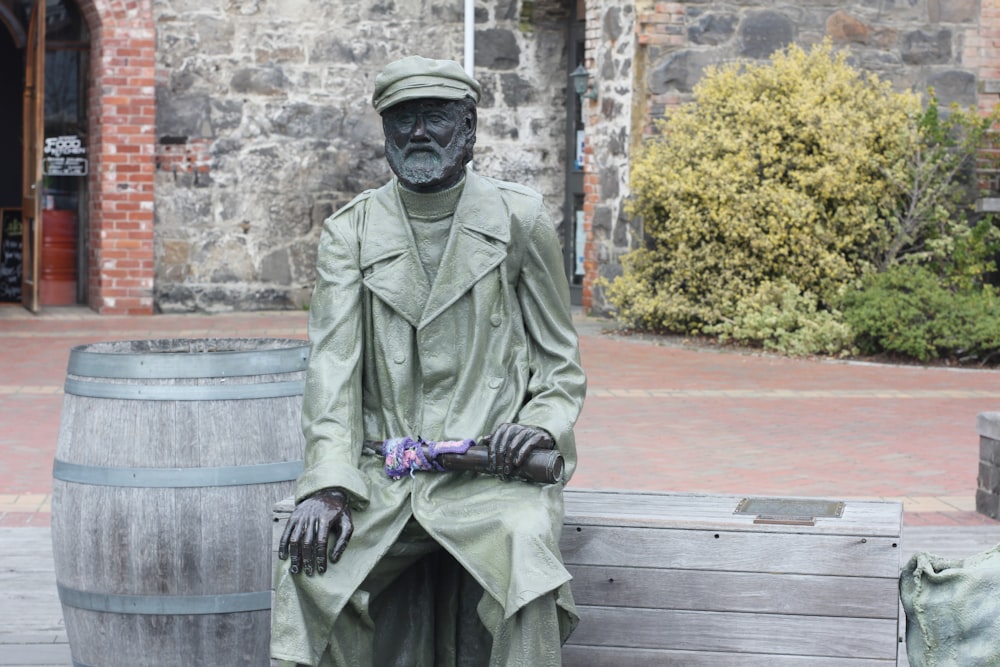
x=510, y=445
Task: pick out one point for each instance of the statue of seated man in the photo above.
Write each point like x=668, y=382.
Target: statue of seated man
x=441, y=310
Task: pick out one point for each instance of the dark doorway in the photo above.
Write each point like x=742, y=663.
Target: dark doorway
x=573, y=237
x=12, y=43
x=42, y=251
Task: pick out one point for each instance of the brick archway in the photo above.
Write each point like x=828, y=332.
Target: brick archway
x=122, y=127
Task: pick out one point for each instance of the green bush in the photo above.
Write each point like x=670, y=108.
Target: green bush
x=783, y=186
x=909, y=310
x=935, y=185
x=775, y=172
x=780, y=318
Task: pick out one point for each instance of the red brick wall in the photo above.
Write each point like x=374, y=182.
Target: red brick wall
x=591, y=180
x=122, y=122
x=982, y=51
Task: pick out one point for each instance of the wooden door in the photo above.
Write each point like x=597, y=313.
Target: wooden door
x=34, y=140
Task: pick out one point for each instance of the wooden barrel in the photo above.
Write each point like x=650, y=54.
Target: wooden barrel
x=171, y=454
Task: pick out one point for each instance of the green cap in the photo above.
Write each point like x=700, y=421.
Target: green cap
x=415, y=77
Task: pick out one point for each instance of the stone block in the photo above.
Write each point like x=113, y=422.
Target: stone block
x=988, y=424
x=680, y=71
x=268, y=80
x=843, y=28
x=275, y=268
x=764, y=32
x=517, y=91
x=953, y=11
x=612, y=24
x=989, y=477
x=302, y=121
x=497, y=48
x=602, y=220
x=713, y=28
x=175, y=251
x=226, y=115
x=989, y=450
x=988, y=504
x=927, y=47
x=182, y=115
x=610, y=187
x=958, y=86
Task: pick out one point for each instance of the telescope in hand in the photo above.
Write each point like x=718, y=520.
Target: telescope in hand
x=542, y=466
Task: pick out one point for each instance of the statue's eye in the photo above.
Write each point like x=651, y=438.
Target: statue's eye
x=403, y=120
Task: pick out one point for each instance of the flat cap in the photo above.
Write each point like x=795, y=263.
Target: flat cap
x=415, y=77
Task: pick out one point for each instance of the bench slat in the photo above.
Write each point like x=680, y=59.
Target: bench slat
x=778, y=553
x=699, y=590
x=615, y=656
x=684, y=510
x=822, y=636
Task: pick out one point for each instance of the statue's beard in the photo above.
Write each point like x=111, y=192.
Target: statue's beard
x=427, y=166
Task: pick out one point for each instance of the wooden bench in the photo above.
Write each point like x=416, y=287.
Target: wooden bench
x=666, y=579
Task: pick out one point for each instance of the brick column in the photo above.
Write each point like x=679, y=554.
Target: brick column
x=981, y=51
x=589, y=112
x=122, y=122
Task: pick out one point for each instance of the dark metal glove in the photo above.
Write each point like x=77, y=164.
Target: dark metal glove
x=510, y=445
x=308, y=531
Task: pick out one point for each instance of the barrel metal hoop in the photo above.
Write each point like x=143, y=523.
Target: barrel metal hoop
x=177, y=478
x=188, y=364
x=183, y=392
x=172, y=605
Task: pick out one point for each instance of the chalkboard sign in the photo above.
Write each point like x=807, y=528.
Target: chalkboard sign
x=11, y=250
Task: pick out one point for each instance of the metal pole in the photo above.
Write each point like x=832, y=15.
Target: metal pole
x=470, y=36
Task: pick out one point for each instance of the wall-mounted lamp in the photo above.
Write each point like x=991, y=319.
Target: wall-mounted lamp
x=581, y=82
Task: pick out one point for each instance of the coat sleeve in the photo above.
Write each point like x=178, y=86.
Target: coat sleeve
x=332, y=402
x=557, y=384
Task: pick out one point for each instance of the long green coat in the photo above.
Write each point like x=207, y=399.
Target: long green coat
x=491, y=341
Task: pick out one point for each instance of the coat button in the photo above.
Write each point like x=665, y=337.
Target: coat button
x=495, y=383
x=399, y=358
x=495, y=319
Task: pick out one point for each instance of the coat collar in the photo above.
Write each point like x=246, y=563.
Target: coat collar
x=476, y=245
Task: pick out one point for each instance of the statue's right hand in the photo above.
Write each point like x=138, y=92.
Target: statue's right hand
x=308, y=531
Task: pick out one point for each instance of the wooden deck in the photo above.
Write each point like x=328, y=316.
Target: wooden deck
x=31, y=626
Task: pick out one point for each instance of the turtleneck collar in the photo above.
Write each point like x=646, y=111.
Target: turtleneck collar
x=430, y=206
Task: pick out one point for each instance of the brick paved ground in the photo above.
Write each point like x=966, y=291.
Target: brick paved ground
x=659, y=416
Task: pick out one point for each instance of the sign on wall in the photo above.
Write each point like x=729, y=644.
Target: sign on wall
x=11, y=235
x=65, y=156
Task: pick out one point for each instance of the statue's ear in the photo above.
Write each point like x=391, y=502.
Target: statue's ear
x=471, y=118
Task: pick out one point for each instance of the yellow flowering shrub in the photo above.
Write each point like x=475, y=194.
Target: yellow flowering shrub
x=775, y=174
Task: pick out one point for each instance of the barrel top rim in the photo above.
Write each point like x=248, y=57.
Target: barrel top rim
x=188, y=357
x=279, y=344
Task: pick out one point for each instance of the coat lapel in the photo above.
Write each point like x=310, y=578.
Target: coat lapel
x=389, y=260
x=392, y=270
x=477, y=245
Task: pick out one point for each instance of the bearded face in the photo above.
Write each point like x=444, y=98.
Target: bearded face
x=428, y=142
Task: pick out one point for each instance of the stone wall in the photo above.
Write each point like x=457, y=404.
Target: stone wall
x=264, y=127
x=914, y=44
x=614, y=123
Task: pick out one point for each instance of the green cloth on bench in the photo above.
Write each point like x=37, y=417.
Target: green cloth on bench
x=952, y=610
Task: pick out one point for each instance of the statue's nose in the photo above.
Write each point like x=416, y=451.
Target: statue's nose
x=419, y=129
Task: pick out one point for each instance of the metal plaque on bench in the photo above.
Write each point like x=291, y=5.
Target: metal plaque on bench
x=795, y=511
